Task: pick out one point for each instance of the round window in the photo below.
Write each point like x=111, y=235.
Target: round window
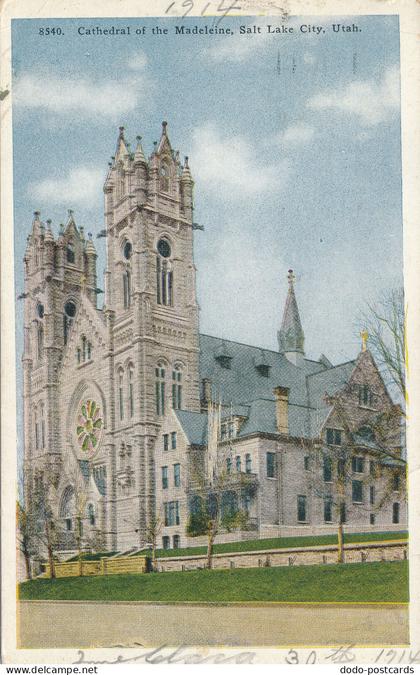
x=70, y=309
x=40, y=310
x=164, y=248
x=127, y=250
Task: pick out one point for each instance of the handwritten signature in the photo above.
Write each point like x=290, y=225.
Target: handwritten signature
x=177, y=655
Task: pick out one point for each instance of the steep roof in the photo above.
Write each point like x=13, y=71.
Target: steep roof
x=247, y=391
x=194, y=426
x=291, y=337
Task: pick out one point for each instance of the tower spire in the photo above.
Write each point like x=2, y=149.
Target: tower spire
x=290, y=336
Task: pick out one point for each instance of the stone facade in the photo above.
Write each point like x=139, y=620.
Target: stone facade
x=119, y=395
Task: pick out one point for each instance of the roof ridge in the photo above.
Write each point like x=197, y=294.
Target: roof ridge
x=327, y=370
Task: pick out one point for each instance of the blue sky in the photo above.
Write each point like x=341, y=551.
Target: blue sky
x=294, y=144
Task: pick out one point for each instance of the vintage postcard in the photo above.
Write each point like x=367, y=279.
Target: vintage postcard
x=209, y=309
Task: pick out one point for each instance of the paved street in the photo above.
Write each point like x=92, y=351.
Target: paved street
x=91, y=624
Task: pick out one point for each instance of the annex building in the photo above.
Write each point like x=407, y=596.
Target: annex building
x=116, y=399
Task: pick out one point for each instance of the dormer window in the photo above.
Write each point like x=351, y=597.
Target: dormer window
x=263, y=370
x=224, y=361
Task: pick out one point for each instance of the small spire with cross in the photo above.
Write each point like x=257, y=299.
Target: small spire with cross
x=291, y=277
x=365, y=336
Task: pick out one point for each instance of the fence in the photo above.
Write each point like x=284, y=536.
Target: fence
x=122, y=565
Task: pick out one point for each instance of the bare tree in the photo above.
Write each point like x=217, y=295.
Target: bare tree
x=384, y=322
x=214, y=491
x=152, y=532
x=334, y=459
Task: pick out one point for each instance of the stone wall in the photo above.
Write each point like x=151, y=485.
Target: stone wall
x=316, y=555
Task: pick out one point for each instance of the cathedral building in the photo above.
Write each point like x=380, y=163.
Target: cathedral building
x=116, y=399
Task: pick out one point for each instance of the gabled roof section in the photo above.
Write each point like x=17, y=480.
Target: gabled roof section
x=328, y=382
x=94, y=322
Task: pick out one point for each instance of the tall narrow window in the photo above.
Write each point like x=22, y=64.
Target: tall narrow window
x=301, y=508
x=173, y=440
x=177, y=475
x=127, y=289
x=372, y=494
x=270, y=459
x=83, y=348
x=89, y=351
x=177, y=388
x=248, y=465
x=131, y=391
x=160, y=389
x=40, y=340
x=327, y=469
x=70, y=253
x=91, y=514
x=395, y=513
x=121, y=393
x=328, y=510
x=164, y=276
x=42, y=426
x=228, y=465
x=164, y=178
x=68, y=316
x=37, y=443
x=164, y=477
x=343, y=514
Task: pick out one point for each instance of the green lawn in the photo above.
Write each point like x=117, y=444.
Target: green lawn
x=280, y=542
x=355, y=582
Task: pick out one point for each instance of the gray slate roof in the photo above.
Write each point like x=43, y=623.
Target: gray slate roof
x=243, y=389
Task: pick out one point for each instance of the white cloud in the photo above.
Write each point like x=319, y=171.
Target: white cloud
x=81, y=186
x=372, y=102
x=137, y=61
x=296, y=134
x=82, y=97
x=229, y=165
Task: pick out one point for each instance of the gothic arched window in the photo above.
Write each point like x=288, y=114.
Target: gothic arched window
x=68, y=316
x=160, y=389
x=177, y=388
x=130, y=390
x=164, y=275
x=67, y=507
x=121, y=393
x=164, y=178
x=70, y=253
x=127, y=288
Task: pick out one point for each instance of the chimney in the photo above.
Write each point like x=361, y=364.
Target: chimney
x=282, y=413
